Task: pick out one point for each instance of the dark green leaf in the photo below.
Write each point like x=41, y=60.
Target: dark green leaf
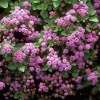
x=64, y=74
x=50, y=69
x=8, y=58
x=45, y=68
x=44, y=14
x=12, y=66
x=75, y=75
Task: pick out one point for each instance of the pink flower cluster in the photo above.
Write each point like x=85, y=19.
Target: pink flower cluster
x=67, y=20
x=92, y=76
x=2, y=85
x=81, y=8
x=7, y=48
x=19, y=56
x=26, y=4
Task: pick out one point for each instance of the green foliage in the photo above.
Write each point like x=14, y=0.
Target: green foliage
x=12, y=66
x=21, y=68
x=4, y=3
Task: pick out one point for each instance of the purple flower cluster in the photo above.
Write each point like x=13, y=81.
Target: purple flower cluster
x=2, y=85
x=7, y=48
x=56, y=63
x=81, y=8
x=53, y=65
x=17, y=25
x=19, y=56
x=26, y=4
x=92, y=76
x=67, y=20
x=42, y=87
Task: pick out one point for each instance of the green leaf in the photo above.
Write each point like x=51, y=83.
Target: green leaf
x=2, y=26
x=44, y=14
x=4, y=3
x=36, y=1
x=91, y=9
x=12, y=66
x=93, y=19
x=75, y=75
x=86, y=83
x=88, y=29
x=16, y=95
x=94, y=25
x=64, y=74
x=21, y=68
x=8, y=42
x=64, y=33
x=36, y=44
x=98, y=75
x=70, y=1
x=8, y=58
x=45, y=68
x=50, y=69
x=56, y=3
x=73, y=64
x=85, y=1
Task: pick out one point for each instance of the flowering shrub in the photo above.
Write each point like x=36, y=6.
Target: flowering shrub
x=52, y=55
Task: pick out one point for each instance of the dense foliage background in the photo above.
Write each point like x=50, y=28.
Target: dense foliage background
x=49, y=49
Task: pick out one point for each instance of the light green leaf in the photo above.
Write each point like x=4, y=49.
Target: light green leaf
x=21, y=68
x=4, y=3
x=36, y=1
x=93, y=19
x=56, y=3
x=88, y=29
x=8, y=42
x=64, y=33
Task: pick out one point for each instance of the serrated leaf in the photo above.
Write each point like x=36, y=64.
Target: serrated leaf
x=4, y=3
x=93, y=19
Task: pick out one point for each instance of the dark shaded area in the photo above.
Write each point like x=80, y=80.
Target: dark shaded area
x=18, y=35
